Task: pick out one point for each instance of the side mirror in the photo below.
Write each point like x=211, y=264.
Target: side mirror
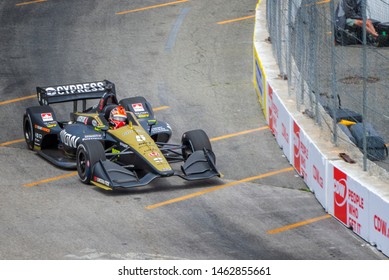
x=105, y=128
x=151, y=123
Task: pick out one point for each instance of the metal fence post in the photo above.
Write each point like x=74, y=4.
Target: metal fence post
x=289, y=48
x=364, y=67
x=333, y=77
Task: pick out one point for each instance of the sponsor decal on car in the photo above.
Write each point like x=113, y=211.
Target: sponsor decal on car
x=101, y=181
x=69, y=139
x=82, y=119
x=51, y=124
x=159, y=129
x=142, y=115
x=140, y=138
x=38, y=136
x=76, y=88
x=154, y=154
x=127, y=132
x=138, y=107
x=93, y=137
x=42, y=128
x=160, y=160
x=47, y=117
x=166, y=169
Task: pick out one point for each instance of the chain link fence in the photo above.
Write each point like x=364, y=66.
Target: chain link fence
x=323, y=74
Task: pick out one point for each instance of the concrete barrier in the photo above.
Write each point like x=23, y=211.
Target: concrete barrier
x=358, y=199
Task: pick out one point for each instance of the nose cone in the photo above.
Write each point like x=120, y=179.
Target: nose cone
x=167, y=173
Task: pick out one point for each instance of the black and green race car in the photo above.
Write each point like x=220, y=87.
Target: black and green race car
x=130, y=156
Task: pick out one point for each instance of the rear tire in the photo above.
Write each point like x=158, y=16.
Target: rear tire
x=195, y=140
x=28, y=131
x=88, y=154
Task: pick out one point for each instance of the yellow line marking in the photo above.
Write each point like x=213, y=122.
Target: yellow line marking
x=208, y=190
x=151, y=7
x=11, y=142
x=161, y=108
x=17, y=99
x=30, y=2
x=299, y=224
x=67, y=175
x=238, y=133
x=318, y=3
x=323, y=2
x=235, y=20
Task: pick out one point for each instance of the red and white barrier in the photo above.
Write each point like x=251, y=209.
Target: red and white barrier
x=348, y=199
x=358, y=200
x=279, y=122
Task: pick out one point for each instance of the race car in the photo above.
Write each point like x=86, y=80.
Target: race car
x=104, y=154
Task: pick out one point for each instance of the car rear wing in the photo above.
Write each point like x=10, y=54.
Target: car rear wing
x=74, y=92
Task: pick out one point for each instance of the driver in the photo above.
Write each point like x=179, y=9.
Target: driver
x=117, y=117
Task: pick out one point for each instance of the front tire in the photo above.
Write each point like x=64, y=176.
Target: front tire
x=88, y=154
x=28, y=131
x=195, y=140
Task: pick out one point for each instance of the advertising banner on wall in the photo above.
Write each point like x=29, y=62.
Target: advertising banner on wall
x=279, y=121
x=260, y=82
x=296, y=148
x=272, y=110
x=348, y=200
x=379, y=223
x=317, y=180
x=301, y=146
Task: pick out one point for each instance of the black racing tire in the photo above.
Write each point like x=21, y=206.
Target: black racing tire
x=195, y=140
x=28, y=131
x=88, y=154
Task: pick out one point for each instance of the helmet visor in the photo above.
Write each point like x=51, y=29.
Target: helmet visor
x=120, y=118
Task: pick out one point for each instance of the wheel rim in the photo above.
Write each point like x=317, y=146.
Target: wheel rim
x=82, y=166
x=27, y=134
x=188, y=149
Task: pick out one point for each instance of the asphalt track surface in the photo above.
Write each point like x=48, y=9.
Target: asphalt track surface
x=193, y=61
